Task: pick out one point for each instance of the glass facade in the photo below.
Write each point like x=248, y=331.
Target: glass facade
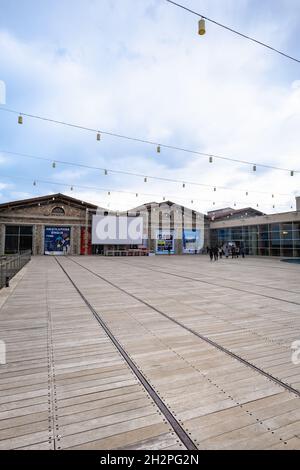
x=18, y=238
x=263, y=240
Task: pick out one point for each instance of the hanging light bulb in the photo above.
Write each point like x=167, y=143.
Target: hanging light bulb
x=192, y=202
x=214, y=203
x=98, y=136
x=201, y=27
x=257, y=205
x=164, y=198
x=34, y=183
x=20, y=119
x=247, y=193
x=215, y=189
x=136, y=195
x=273, y=206
x=105, y=172
x=53, y=165
x=145, y=180
x=158, y=149
x=234, y=204
x=108, y=193
x=272, y=195
x=183, y=185
x=210, y=159
x=254, y=167
x=71, y=188
x=292, y=173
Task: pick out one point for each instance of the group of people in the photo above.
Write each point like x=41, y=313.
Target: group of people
x=218, y=252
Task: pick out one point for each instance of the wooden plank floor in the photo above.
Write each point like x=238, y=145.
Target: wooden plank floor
x=65, y=385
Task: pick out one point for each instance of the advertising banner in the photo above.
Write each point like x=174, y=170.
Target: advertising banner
x=57, y=240
x=192, y=241
x=165, y=242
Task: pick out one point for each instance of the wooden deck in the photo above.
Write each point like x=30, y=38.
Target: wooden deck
x=233, y=386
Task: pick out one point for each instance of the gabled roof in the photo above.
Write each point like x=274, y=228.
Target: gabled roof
x=48, y=199
x=229, y=212
x=148, y=205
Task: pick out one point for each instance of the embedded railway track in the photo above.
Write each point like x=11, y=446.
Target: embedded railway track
x=207, y=340
x=168, y=415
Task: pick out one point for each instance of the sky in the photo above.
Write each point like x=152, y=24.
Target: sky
x=139, y=68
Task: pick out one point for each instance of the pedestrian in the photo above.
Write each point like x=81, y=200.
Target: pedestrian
x=211, y=254
x=226, y=251
x=220, y=252
x=233, y=253
x=216, y=253
x=243, y=252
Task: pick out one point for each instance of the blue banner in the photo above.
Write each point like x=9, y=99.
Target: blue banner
x=57, y=240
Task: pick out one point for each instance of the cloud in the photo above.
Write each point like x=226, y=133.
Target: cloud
x=139, y=68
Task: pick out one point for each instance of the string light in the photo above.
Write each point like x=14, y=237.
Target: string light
x=232, y=31
x=134, y=139
x=201, y=27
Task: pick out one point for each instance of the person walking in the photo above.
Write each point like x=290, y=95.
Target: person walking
x=220, y=252
x=233, y=252
x=211, y=254
x=226, y=251
x=243, y=252
x=216, y=253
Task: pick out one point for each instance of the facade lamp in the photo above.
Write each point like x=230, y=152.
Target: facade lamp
x=201, y=27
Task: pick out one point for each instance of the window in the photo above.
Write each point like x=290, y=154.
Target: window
x=18, y=238
x=58, y=211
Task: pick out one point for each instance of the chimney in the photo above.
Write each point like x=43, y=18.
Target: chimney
x=298, y=203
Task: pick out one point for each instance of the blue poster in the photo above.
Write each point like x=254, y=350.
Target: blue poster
x=57, y=240
x=191, y=241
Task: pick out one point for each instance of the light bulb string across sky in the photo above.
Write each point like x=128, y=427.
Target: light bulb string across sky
x=109, y=192
x=183, y=182
x=245, y=36
x=157, y=144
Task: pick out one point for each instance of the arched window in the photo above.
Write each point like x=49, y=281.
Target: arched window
x=58, y=211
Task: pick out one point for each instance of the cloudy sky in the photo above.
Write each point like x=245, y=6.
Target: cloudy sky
x=138, y=67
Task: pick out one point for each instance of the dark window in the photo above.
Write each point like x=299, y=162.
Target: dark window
x=58, y=211
x=18, y=238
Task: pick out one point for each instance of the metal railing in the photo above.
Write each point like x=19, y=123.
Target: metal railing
x=11, y=264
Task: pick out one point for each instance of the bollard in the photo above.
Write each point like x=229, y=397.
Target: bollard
x=7, y=281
